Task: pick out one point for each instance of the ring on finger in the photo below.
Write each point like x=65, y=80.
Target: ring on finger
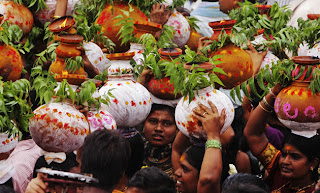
x=204, y=113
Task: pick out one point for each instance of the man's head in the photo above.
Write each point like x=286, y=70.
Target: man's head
x=105, y=155
x=151, y=180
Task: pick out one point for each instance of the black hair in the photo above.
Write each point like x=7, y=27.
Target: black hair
x=195, y=156
x=160, y=107
x=152, y=180
x=65, y=166
x=244, y=183
x=105, y=155
x=137, y=155
x=309, y=147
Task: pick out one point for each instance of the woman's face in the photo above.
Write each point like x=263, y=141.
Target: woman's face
x=160, y=128
x=293, y=163
x=187, y=176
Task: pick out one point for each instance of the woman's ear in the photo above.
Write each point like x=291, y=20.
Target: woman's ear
x=314, y=163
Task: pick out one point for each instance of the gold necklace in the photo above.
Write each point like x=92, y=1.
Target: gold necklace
x=298, y=190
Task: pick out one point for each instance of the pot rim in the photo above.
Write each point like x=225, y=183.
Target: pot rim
x=306, y=60
x=70, y=38
x=222, y=24
x=313, y=16
x=168, y=52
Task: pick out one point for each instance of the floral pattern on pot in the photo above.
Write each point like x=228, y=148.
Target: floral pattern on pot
x=189, y=125
x=7, y=144
x=17, y=14
x=96, y=56
x=182, y=28
x=101, y=119
x=47, y=14
x=298, y=109
x=161, y=88
x=10, y=64
x=131, y=103
x=58, y=127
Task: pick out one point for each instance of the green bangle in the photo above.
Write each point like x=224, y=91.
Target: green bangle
x=213, y=144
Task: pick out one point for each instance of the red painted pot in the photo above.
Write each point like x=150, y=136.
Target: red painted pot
x=313, y=16
x=161, y=88
x=296, y=107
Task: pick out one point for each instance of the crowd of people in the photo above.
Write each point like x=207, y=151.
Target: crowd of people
x=255, y=154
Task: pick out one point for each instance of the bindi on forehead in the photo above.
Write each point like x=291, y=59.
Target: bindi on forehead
x=183, y=157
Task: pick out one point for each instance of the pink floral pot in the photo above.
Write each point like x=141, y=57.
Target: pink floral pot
x=182, y=28
x=101, y=119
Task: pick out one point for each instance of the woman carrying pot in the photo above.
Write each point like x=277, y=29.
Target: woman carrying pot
x=295, y=167
x=200, y=168
x=159, y=132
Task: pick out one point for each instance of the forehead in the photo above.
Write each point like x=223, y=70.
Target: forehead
x=291, y=148
x=161, y=114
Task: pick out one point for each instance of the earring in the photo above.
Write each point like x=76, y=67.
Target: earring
x=311, y=168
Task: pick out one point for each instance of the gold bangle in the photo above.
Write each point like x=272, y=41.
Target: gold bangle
x=265, y=102
x=272, y=93
x=265, y=110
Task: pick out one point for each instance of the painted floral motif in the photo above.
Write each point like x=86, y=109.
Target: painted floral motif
x=58, y=127
x=101, y=119
x=181, y=27
x=189, y=125
x=17, y=14
x=131, y=103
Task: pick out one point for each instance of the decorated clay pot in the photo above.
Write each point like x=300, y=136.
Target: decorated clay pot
x=47, y=14
x=193, y=40
x=189, y=125
x=236, y=63
x=62, y=24
x=108, y=23
x=96, y=56
x=182, y=28
x=101, y=119
x=146, y=27
x=138, y=49
x=7, y=144
x=120, y=63
x=67, y=49
x=58, y=127
x=131, y=103
x=162, y=88
x=17, y=14
x=11, y=63
x=217, y=27
x=264, y=9
x=296, y=107
x=169, y=54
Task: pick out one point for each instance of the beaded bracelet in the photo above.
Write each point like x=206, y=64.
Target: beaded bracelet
x=264, y=108
x=213, y=143
x=265, y=102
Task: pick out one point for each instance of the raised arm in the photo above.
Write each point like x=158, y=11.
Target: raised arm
x=180, y=144
x=211, y=168
x=255, y=128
